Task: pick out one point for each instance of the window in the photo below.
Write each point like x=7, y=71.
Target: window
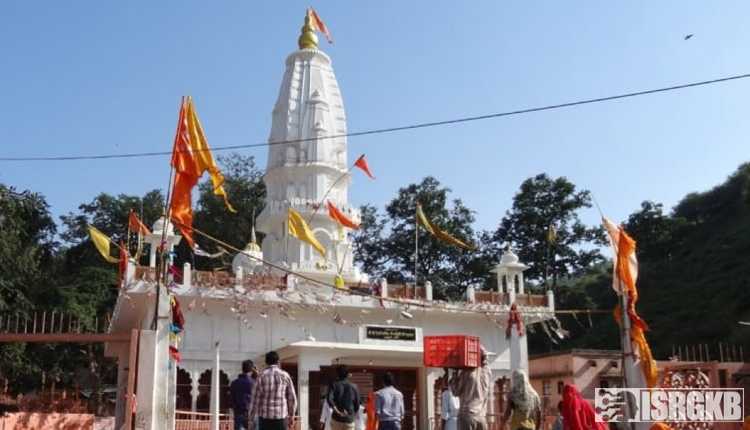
x=546, y=388
x=560, y=386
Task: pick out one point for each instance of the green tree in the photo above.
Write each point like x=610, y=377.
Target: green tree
x=27, y=247
x=247, y=193
x=543, y=202
x=109, y=214
x=449, y=268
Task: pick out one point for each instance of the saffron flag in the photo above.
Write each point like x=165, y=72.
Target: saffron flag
x=101, y=241
x=362, y=164
x=318, y=25
x=338, y=216
x=437, y=232
x=625, y=274
x=298, y=228
x=135, y=224
x=191, y=157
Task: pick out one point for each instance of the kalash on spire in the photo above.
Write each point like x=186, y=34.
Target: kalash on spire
x=310, y=169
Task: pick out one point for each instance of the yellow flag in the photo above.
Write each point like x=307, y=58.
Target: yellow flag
x=438, y=233
x=423, y=220
x=101, y=241
x=202, y=153
x=551, y=234
x=298, y=228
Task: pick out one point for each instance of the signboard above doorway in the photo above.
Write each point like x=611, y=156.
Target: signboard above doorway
x=390, y=335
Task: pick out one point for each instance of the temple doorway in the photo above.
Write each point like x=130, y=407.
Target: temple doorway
x=367, y=380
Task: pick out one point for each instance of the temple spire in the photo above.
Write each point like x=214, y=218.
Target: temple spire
x=308, y=39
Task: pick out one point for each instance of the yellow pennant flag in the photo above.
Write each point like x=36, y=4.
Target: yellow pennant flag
x=438, y=233
x=202, y=153
x=101, y=241
x=298, y=228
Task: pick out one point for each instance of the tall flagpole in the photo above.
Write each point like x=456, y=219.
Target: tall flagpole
x=416, y=247
x=627, y=350
x=161, y=269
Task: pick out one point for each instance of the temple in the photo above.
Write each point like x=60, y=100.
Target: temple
x=233, y=316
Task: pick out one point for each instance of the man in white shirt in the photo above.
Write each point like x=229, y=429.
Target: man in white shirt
x=449, y=408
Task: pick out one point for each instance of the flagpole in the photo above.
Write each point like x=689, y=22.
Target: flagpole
x=627, y=349
x=416, y=248
x=161, y=269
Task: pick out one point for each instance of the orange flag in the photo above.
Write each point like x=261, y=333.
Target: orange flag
x=362, y=164
x=624, y=282
x=338, y=216
x=135, y=224
x=318, y=25
x=191, y=157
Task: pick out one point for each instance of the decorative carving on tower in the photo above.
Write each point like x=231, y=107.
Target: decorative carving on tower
x=310, y=168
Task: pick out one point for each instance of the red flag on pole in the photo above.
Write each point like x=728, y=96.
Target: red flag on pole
x=135, y=224
x=362, y=164
x=318, y=24
x=338, y=216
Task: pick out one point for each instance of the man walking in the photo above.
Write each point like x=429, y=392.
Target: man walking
x=343, y=399
x=389, y=405
x=241, y=391
x=274, y=400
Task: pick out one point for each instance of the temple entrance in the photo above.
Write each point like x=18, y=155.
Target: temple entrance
x=367, y=380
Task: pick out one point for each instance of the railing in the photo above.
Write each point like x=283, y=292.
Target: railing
x=51, y=322
x=187, y=420
x=400, y=291
x=206, y=279
x=504, y=298
x=493, y=422
x=260, y=282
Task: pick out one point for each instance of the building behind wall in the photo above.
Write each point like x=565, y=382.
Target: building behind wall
x=589, y=369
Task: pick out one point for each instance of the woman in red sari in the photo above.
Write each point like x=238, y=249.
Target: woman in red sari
x=577, y=413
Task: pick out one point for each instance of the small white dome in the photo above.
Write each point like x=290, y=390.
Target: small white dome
x=508, y=257
x=245, y=259
x=158, y=227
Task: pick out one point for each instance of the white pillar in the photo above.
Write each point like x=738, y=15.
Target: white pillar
x=426, y=384
x=152, y=255
x=129, y=272
x=194, y=391
x=471, y=294
x=303, y=397
x=520, y=282
x=519, y=358
x=215, y=381
x=428, y=291
x=187, y=275
x=550, y=300
x=383, y=288
x=511, y=290
x=153, y=372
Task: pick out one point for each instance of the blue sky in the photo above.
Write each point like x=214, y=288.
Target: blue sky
x=106, y=77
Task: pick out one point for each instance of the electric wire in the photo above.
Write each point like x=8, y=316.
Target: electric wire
x=393, y=129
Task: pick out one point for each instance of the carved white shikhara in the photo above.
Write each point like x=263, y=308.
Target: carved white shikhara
x=308, y=168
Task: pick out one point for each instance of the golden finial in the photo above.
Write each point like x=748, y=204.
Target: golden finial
x=308, y=39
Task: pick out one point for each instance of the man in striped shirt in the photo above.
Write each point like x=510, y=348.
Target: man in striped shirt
x=274, y=401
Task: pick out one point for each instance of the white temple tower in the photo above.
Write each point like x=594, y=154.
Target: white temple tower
x=310, y=169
